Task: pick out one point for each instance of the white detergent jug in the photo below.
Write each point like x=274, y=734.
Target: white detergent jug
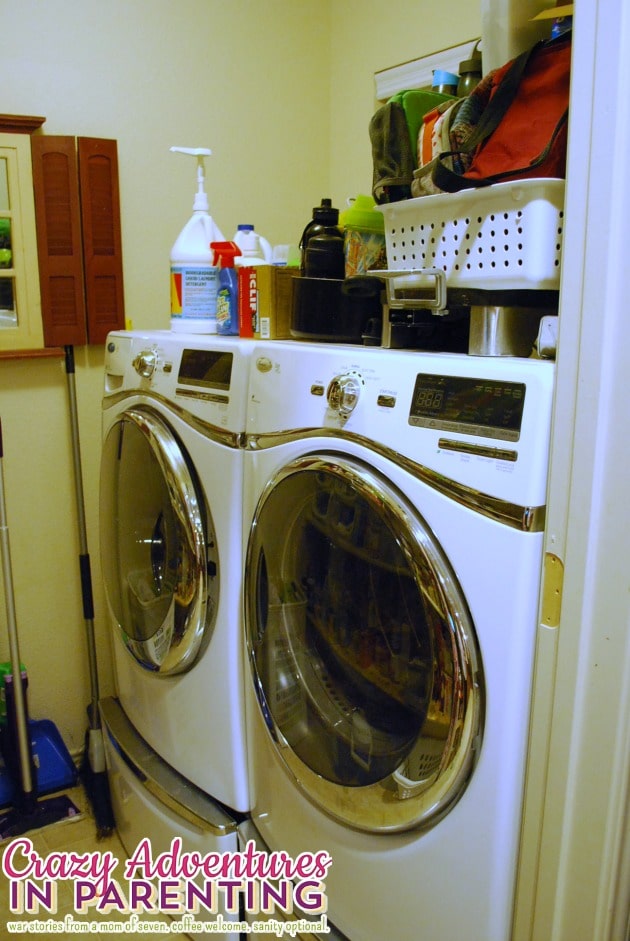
x=194, y=278
x=253, y=246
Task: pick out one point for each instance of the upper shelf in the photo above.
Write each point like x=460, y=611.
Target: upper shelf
x=20, y=123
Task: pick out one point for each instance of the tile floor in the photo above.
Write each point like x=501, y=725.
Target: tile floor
x=76, y=834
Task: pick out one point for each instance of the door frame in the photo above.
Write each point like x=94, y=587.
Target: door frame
x=574, y=876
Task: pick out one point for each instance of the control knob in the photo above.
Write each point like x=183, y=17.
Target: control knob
x=145, y=363
x=343, y=393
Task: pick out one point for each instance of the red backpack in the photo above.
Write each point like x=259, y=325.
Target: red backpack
x=522, y=131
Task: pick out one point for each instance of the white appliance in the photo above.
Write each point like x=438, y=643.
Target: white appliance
x=394, y=511
x=171, y=531
x=152, y=801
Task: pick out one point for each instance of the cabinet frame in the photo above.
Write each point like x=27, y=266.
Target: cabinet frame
x=15, y=150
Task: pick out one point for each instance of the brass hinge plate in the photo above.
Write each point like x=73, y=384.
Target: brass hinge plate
x=553, y=578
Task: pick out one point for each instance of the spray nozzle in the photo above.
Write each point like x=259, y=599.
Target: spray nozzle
x=201, y=197
x=224, y=253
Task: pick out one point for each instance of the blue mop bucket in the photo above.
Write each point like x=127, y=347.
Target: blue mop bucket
x=53, y=765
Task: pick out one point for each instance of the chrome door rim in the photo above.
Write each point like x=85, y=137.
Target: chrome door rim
x=185, y=498
x=398, y=802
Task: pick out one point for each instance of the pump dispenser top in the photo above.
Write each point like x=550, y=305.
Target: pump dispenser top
x=194, y=277
x=225, y=253
x=201, y=197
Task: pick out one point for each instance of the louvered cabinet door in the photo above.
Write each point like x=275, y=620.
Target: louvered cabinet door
x=102, y=244
x=59, y=242
x=79, y=240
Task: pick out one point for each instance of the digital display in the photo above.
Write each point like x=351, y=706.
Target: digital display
x=210, y=369
x=471, y=406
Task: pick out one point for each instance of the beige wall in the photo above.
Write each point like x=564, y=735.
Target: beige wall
x=367, y=37
x=282, y=92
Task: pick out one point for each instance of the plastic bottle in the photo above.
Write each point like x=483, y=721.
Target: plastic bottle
x=251, y=246
x=324, y=222
x=445, y=82
x=256, y=245
x=469, y=73
x=364, y=236
x=194, y=278
x=324, y=256
x=225, y=254
x=561, y=25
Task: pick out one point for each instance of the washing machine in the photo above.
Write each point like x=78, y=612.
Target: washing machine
x=394, y=515
x=152, y=801
x=171, y=554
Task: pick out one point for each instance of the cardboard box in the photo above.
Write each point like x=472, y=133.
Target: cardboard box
x=265, y=296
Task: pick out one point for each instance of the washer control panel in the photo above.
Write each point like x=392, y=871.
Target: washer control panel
x=479, y=421
x=205, y=376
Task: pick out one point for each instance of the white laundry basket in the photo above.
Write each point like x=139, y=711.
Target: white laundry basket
x=502, y=237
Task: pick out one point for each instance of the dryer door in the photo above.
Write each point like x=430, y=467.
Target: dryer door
x=158, y=547
x=364, y=655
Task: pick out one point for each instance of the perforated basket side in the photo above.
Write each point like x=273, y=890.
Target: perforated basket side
x=507, y=236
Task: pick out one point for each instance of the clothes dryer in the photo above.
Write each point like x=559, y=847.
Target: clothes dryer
x=394, y=512
x=171, y=549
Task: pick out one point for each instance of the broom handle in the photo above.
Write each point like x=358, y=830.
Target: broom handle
x=84, y=557
x=20, y=703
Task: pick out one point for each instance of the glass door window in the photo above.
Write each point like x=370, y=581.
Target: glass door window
x=364, y=653
x=20, y=303
x=8, y=313
x=158, y=546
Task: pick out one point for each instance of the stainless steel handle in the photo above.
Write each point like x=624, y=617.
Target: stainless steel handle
x=415, y=280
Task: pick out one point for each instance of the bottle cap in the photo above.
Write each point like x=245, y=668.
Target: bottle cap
x=326, y=214
x=326, y=203
x=470, y=65
x=441, y=77
x=362, y=214
x=224, y=253
x=473, y=64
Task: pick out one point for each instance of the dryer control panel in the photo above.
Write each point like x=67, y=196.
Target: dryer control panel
x=487, y=407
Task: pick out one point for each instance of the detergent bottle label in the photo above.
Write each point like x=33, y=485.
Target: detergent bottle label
x=224, y=308
x=193, y=291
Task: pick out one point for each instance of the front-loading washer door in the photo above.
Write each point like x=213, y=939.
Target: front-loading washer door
x=364, y=656
x=158, y=546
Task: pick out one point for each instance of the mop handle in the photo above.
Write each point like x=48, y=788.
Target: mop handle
x=84, y=556
x=20, y=702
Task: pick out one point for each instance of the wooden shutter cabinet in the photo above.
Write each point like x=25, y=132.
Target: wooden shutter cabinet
x=79, y=238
